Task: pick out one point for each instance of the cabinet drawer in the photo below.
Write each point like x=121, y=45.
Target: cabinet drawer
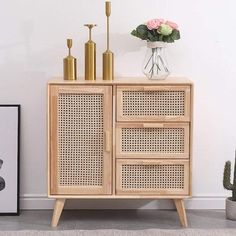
x=169, y=177
x=153, y=103
x=152, y=140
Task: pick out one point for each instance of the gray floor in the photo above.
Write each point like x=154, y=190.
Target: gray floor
x=116, y=219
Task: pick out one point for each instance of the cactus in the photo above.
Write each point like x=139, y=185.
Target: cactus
x=226, y=181
x=2, y=181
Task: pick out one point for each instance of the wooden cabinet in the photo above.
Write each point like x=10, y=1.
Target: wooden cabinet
x=128, y=138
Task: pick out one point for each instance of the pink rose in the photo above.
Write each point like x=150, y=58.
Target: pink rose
x=154, y=24
x=173, y=25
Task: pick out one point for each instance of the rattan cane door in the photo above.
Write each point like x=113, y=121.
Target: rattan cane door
x=80, y=139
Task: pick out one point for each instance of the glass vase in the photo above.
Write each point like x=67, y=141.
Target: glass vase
x=155, y=65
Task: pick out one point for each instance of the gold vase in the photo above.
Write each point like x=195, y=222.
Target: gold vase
x=108, y=56
x=69, y=64
x=90, y=56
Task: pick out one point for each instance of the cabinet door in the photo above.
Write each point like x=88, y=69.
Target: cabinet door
x=80, y=126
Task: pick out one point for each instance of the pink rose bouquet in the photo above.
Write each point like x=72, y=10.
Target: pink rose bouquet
x=157, y=30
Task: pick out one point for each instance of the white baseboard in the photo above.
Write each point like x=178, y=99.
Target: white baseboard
x=31, y=201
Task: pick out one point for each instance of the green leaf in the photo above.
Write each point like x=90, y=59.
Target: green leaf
x=150, y=36
x=154, y=32
x=142, y=30
x=134, y=33
x=164, y=38
x=161, y=37
x=175, y=35
x=169, y=39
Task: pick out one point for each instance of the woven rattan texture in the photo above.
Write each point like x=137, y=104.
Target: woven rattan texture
x=167, y=176
x=153, y=140
x=153, y=103
x=80, y=139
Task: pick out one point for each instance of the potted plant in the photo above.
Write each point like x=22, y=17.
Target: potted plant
x=230, y=205
x=158, y=33
x=2, y=181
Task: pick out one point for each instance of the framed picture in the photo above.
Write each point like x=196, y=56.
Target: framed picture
x=9, y=159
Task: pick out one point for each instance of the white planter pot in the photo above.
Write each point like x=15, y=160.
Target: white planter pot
x=230, y=209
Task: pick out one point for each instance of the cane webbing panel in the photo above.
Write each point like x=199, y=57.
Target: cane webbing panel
x=153, y=103
x=153, y=140
x=80, y=139
x=167, y=176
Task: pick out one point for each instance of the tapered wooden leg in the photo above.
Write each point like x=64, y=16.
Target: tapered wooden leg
x=179, y=203
x=58, y=207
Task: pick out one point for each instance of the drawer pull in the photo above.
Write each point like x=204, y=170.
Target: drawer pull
x=107, y=141
x=150, y=125
x=153, y=89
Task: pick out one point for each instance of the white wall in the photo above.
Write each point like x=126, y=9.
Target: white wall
x=32, y=45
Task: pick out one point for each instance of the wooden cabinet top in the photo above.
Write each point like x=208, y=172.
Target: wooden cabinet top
x=123, y=81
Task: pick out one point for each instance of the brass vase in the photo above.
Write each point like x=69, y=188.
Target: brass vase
x=69, y=64
x=108, y=56
x=90, y=56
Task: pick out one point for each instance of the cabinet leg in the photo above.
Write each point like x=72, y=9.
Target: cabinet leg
x=179, y=203
x=58, y=207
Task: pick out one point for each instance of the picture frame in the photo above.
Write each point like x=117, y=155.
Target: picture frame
x=9, y=159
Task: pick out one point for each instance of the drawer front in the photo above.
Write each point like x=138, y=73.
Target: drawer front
x=152, y=140
x=152, y=177
x=153, y=103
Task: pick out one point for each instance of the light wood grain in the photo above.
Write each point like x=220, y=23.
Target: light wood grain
x=146, y=146
x=126, y=182
x=179, y=203
x=134, y=115
x=114, y=140
x=48, y=141
x=119, y=196
x=171, y=80
x=55, y=90
x=59, y=204
x=191, y=139
x=113, y=156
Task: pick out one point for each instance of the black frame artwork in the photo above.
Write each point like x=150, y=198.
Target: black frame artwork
x=11, y=136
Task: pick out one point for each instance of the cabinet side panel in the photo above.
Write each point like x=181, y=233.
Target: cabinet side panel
x=191, y=138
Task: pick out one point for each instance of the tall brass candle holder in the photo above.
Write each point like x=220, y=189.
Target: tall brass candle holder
x=90, y=56
x=69, y=64
x=108, y=56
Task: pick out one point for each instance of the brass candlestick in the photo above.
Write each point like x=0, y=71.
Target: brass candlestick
x=69, y=64
x=90, y=56
x=108, y=56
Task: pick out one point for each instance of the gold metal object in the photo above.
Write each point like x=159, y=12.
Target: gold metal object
x=108, y=56
x=69, y=64
x=90, y=56
x=108, y=65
